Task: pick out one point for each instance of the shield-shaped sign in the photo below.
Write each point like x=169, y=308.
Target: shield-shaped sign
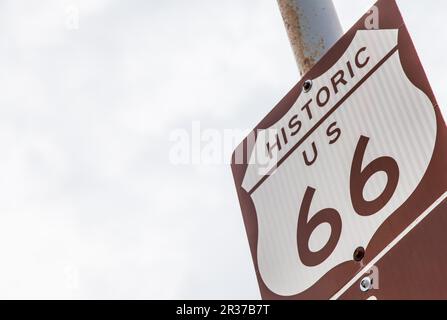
x=342, y=186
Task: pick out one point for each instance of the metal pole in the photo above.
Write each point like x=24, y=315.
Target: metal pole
x=313, y=27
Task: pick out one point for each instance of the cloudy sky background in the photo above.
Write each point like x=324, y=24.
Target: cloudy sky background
x=90, y=206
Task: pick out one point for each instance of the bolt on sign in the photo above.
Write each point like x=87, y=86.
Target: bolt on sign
x=343, y=185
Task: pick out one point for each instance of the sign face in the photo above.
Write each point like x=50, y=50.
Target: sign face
x=345, y=178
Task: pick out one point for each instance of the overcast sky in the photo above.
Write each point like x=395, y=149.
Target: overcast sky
x=90, y=206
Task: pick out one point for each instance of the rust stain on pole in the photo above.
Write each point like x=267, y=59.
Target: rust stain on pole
x=312, y=27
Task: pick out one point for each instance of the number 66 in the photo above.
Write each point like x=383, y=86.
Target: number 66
x=358, y=180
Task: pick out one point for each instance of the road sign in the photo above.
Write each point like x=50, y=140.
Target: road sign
x=342, y=186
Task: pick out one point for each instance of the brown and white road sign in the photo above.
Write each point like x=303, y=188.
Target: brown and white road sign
x=345, y=180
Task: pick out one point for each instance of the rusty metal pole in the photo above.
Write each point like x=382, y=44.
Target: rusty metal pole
x=313, y=27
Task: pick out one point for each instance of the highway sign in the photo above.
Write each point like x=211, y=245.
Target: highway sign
x=342, y=185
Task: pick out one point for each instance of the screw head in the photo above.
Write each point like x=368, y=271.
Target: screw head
x=359, y=253
x=366, y=284
x=307, y=85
